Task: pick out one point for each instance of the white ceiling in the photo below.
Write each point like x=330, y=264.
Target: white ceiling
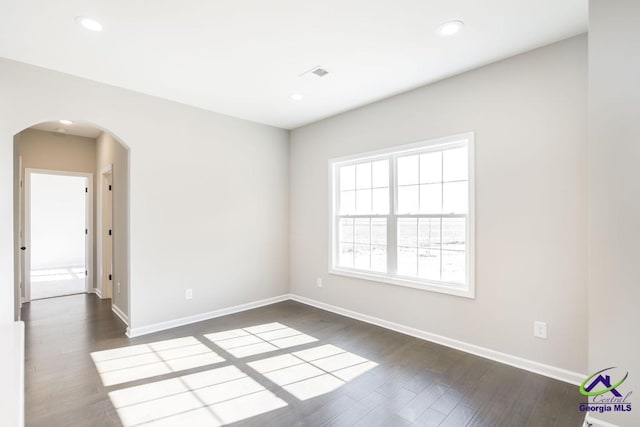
x=77, y=129
x=244, y=57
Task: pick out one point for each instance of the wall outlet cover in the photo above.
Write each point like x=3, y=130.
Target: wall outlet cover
x=540, y=329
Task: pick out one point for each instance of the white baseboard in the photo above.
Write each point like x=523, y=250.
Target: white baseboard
x=97, y=292
x=120, y=314
x=519, y=362
x=156, y=327
x=508, y=359
x=590, y=421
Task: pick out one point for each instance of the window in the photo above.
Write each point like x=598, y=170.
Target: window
x=405, y=216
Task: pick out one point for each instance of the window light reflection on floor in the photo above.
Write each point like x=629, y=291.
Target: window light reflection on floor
x=313, y=372
x=259, y=339
x=136, y=362
x=57, y=274
x=212, y=398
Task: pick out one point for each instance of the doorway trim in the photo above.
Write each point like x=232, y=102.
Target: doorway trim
x=27, y=226
x=100, y=289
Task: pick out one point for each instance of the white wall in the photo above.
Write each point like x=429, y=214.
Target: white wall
x=529, y=117
x=208, y=193
x=614, y=194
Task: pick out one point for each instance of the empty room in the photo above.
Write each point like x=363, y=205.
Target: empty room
x=408, y=213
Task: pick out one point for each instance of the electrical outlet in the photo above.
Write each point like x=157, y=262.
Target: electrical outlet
x=118, y=288
x=540, y=329
x=189, y=293
x=319, y=282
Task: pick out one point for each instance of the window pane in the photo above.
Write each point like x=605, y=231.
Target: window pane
x=381, y=173
x=346, y=255
x=408, y=232
x=381, y=201
x=363, y=202
x=431, y=167
x=407, y=261
x=346, y=230
x=347, y=202
x=379, y=258
x=347, y=178
x=408, y=170
x=429, y=233
x=455, y=165
x=455, y=198
x=362, y=259
x=408, y=199
x=453, y=266
x=363, y=175
x=429, y=186
x=454, y=233
x=379, y=231
x=429, y=264
x=431, y=198
x=362, y=233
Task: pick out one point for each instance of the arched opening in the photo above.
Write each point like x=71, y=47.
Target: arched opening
x=68, y=243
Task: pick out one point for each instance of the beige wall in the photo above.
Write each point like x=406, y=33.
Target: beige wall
x=614, y=189
x=529, y=117
x=54, y=151
x=58, y=152
x=111, y=153
x=208, y=193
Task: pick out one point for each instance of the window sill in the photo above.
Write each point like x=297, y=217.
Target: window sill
x=423, y=286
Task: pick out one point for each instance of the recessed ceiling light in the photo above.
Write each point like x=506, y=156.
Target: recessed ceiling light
x=450, y=28
x=296, y=96
x=88, y=23
x=66, y=122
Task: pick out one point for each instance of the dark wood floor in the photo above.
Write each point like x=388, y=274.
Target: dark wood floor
x=415, y=382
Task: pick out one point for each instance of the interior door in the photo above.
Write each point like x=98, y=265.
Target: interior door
x=107, y=236
x=56, y=234
x=23, y=248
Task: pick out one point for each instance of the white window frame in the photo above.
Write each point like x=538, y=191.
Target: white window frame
x=464, y=290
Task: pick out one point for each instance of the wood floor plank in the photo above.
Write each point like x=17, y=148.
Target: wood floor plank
x=412, y=382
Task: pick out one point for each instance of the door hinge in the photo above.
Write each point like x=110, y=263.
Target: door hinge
x=110, y=278
x=86, y=273
x=109, y=187
x=86, y=231
x=110, y=232
x=86, y=190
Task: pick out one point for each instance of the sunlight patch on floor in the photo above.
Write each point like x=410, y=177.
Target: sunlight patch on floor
x=313, y=372
x=120, y=365
x=259, y=339
x=212, y=398
x=222, y=395
x=57, y=274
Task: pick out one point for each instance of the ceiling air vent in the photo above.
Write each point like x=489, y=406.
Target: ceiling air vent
x=316, y=71
x=320, y=72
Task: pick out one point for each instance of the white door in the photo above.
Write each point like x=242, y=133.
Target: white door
x=107, y=236
x=20, y=291
x=57, y=235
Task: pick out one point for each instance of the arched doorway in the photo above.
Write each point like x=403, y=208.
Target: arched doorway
x=64, y=148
